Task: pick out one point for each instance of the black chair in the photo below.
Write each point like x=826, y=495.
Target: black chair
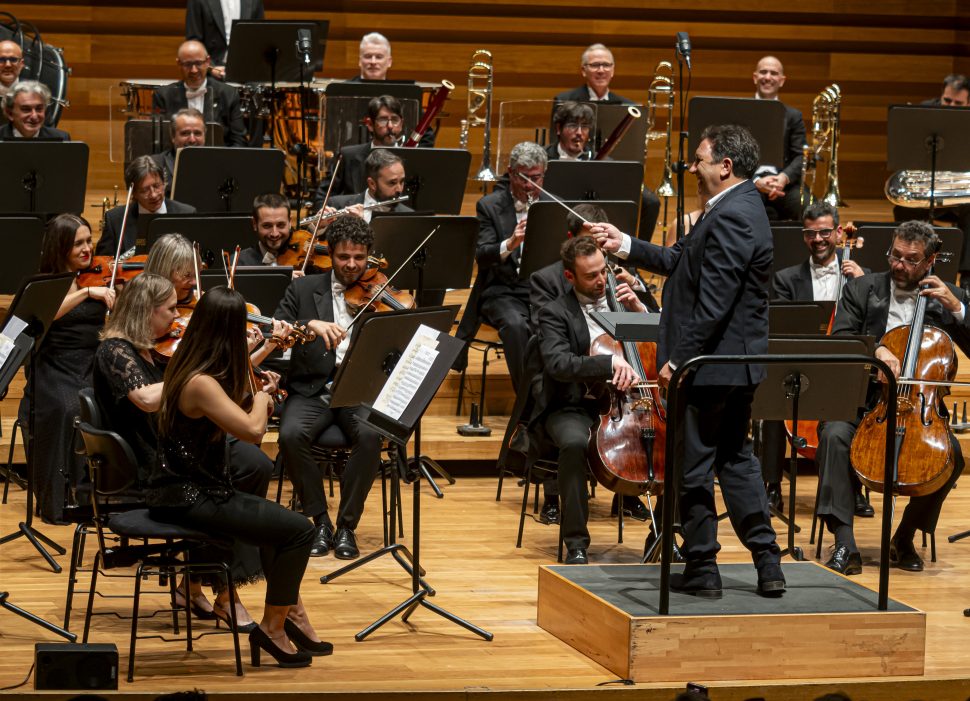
x=168, y=552
x=487, y=341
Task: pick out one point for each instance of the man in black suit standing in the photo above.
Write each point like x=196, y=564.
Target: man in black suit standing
x=780, y=190
x=148, y=195
x=186, y=128
x=216, y=101
x=318, y=302
x=597, y=67
x=206, y=21
x=25, y=105
x=715, y=302
x=872, y=305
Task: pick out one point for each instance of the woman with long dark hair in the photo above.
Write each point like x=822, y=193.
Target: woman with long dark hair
x=205, y=387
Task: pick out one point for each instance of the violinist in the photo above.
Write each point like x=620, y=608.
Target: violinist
x=271, y=223
x=562, y=409
x=63, y=366
x=385, y=181
x=873, y=305
x=148, y=190
x=318, y=302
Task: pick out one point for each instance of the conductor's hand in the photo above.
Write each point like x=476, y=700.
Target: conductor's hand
x=935, y=288
x=517, y=237
x=628, y=298
x=330, y=333
x=889, y=359
x=623, y=374
x=607, y=236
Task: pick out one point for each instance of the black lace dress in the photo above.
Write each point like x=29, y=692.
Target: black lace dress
x=64, y=364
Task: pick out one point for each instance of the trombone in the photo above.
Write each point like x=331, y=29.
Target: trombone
x=480, y=87
x=660, y=96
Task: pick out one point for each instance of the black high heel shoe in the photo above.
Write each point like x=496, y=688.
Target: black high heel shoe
x=223, y=617
x=196, y=610
x=259, y=640
x=302, y=642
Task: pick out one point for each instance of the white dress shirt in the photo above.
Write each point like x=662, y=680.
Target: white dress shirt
x=589, y=305
x=825, y=280
x=196, y=97
x=902, y=307
x=341, y=315
x=230, y=10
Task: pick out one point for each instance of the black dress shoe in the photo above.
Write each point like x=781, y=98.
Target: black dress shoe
x=345, y=545
x=775, y=500
x=576, y=556
x=862, y=507
x=706, y=585
x=632, y=507
x=771, y=580
x=322, y=540
x=902, y=554
x=843, y=561
x=550, y=512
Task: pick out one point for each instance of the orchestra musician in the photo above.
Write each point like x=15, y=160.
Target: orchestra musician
x=597, y=67
x=318, y=302
x=271, y=223
x=186, y=128
x=205, y=389
x=374, y=58
x=210, y=22
x=11, y=64
x=715, y=302
x=63, y=366
x=216, y=101
x=148, y=197
x=780, y=190
x=385, y=181
x=25, y=105
x=873, y=305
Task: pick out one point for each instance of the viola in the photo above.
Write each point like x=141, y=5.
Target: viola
x=99, y=273
x=366, y=293
x=297, y=248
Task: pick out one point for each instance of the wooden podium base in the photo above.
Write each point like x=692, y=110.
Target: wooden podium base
x=824, y=626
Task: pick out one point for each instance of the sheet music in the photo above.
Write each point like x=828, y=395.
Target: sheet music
x=7, y=337
x=410, y=371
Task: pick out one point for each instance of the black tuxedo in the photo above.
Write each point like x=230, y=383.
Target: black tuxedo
x=715, y=302
x=789, y=206
x=112, y=225
x=204, y=22
x=794, y=283
x=46, y=132
x=307, y=412
x=250, y=256
x=350, y=179
x=221, y=104
x=166, y=161
x=581, y=94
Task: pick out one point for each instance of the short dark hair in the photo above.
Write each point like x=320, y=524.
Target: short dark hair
x=588, y=211
x=577, y=247
x=819, y=209
x=573, y=112
x=184, y=112
x=350, y=228
x=141, y=168
x=919, y=231
x=271, y=200
x=957, y=81
x=735, y=142
x=378, y=160
x=389, y=101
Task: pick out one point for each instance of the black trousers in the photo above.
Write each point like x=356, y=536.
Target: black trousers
x=508, y=312
x=836, y=476
x=712, y=441
x=250, y=467
x=649, y=213
x=283, y=537
x=569, y=429
x=305, y=418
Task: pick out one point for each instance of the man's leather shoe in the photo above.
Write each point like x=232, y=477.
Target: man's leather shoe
x=843, y=561
x=902, y=554
x=703, y=584
x=345, y=545
x=550, y=511
x=322, y=540
x=576, y=556
x=862, y=507
x=775, y=500
x=632, y=506
x=771, y=580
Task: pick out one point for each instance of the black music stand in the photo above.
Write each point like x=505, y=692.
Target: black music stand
x=213, y=232
x=223, y=179
x=933, y=138
x=27, y=322
x=348, y=107
x=816, y=391
x=765, y=119
x=595, y=180
x=144, y=137
x=20, y=239
x=789, y=246
x=43, y=176
x=262, y=285
x=785, y=318
x=435, y=178
x=263, y=51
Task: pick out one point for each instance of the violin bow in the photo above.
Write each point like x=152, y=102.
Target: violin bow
x=121, y=237
x=553, y=197
x=195, y=264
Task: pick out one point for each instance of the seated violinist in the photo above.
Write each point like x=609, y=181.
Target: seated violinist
x=385, y=181
x=563, y=411
x=873, y=305
x=318, y=302
x=271, y=222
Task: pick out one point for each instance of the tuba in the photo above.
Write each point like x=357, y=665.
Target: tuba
x=826, y=111
x=479, y=97
x=912, y=188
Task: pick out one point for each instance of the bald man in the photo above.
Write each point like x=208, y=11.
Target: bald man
x=11, y=63
x=780, y=190
x=217, y=101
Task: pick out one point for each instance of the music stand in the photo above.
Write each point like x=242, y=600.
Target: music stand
x=144, y=137
x=435, y=178
x=789, y=247
x=933, y=138
x=347, y=106
x=43, y=176
x=765, y=119
x=213, y=232
x=816, y=391
x=262, y=285
x=263, y=51
x=20, y=238
x=378, y=348
x=223, y=179
x=595, y=180
x=27, y=322
x=786, y=318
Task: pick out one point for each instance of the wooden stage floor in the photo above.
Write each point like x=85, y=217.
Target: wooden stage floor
x=468, y=550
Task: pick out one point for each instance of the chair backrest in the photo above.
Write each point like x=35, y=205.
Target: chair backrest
x=90, y=412
x=111, y=461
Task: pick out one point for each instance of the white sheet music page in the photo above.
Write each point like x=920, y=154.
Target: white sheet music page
x=410, y=371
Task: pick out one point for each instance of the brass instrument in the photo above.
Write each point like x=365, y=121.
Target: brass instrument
x=480, y=96
x=661, y=96
x=826, y=117
x=106, y=204
x=911, y=188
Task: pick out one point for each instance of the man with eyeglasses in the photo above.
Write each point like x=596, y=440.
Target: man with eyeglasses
x=148, y=197
x=11, y=63
x=186, y=129
x=872, y=305
x=216, y=101
x=385, y=181
x=25, y=105
x=597, y=68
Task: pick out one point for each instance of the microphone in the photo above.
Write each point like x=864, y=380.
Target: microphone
x=304, y=45
x=683, y=47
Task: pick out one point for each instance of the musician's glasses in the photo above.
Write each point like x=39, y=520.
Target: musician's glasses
x=812, y=233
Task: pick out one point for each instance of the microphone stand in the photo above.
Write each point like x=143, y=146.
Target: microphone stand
x=680, y=167
x=301, y=149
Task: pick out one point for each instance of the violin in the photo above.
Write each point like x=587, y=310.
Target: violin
x=296, y=250
x=628, y=453
x=99, y=273
x=371, y=291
